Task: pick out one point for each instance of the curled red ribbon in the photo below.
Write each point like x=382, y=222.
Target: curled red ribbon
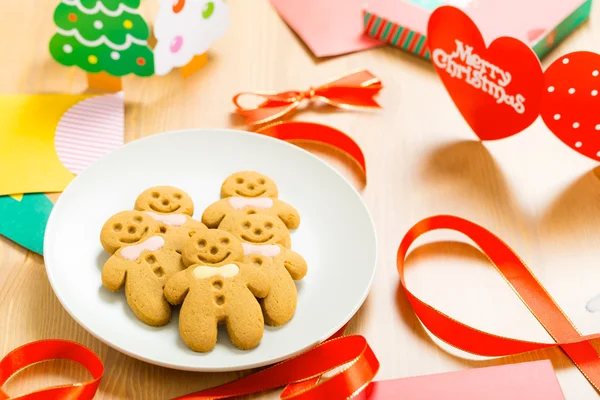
x=353, y=91
x=577, y=347
x=323, y=134
x=301, y=373
x=45, y=350
x=352, y=350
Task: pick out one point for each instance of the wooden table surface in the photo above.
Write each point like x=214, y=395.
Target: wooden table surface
x=531, y=190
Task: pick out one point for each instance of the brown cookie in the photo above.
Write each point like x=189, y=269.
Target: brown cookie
x=256, y=228
x=171, y=208
x=214, y=214
x=177, y=228
x=279, y=305
x=213, y=247
x=251, y=192
x=267, y=236
x=165, y=200
x=248, y=184
x=143, y=261
x=224, y=292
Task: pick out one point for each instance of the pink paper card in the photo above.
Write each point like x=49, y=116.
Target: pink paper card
x=524, y=381
x=327, y=27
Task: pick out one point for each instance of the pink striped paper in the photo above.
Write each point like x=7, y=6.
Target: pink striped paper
x=89, y=130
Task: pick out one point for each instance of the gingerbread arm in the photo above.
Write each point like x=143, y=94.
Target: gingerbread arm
x=252, y=272
x=114, y=273
x=214, y=214
x=177, y=287
x=294, y=263
x=288, y=214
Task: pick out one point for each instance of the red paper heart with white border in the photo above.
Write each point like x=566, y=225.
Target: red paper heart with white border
x=497, y=89
x=571, y=101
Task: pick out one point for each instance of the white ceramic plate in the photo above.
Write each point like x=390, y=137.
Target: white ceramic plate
x=336, y=237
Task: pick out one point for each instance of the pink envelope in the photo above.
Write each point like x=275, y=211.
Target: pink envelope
x=524, y=381
x=328, y=27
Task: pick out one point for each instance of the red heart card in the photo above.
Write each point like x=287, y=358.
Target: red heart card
x=497, y=89
x=571, y=101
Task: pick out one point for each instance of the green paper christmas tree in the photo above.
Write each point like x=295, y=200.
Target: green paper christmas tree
x=102, y=36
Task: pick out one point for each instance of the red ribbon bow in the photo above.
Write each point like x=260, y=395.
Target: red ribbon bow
x=352, y=91
x=526, y=286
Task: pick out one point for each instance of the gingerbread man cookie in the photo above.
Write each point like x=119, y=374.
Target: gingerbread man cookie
x=250, y=192
x=267, y=236
x=142, y=261
x=172, y=209
x=218, y=288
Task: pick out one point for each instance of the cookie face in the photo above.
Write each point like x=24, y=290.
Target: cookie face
x=127, y=228
x=213, y=247
x=165, y=200
x=259, y=229
x=248, y=184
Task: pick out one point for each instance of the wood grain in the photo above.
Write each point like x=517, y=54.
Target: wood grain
x=537, y=194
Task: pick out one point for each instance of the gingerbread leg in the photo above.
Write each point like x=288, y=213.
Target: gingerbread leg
x=145, y=297
x=198, y=325
x=245, y=323
x=280, y=304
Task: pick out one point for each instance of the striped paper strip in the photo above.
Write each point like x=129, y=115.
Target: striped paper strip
x=396, y=35
x=89, y=130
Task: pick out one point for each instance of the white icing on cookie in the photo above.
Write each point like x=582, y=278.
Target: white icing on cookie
x=258, y=202
x=132, y=253
x=226, y=271
x=268, y=250
x=169, y=219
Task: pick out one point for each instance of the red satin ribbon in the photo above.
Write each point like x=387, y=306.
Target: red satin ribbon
x=301, y=374
x=45, y=350
x=352, y=91
x=526, y=286
x=323, y=134
x=307, y=366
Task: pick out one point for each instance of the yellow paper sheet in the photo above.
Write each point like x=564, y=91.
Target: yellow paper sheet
x=28, y=159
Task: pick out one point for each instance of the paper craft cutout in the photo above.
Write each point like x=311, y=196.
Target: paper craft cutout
x=501, y=91
x=403, y=23
x=90, y=130
x=185, y=29
x=312, y=22
x=28, y=125
x=497, y=89
x=109, y=38
x=102, y=36
x=433, y=4
x=24, y=221
x=571, y=101
x=524, y=381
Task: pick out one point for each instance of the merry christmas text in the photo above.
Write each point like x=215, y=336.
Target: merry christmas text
x=462, y=63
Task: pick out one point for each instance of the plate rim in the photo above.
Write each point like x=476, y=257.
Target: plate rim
x=51, y=222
